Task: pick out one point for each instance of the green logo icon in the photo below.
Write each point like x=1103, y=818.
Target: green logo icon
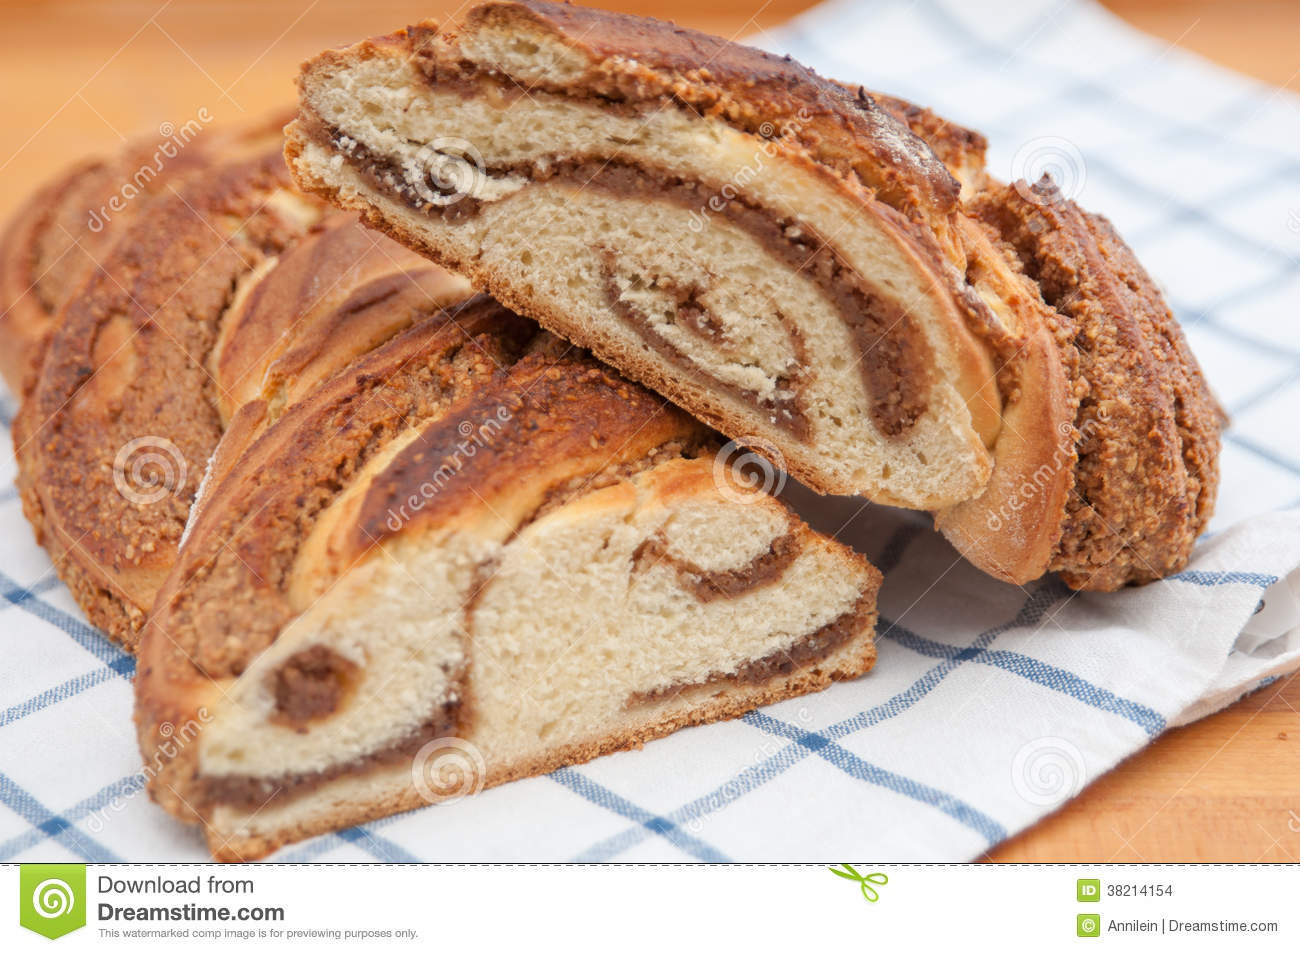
x=1088, y=924
x=52, y=898
x=1088, y=891
x=864, y=881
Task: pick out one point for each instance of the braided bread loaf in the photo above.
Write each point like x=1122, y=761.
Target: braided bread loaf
x=392, y=518
x=787, y=259
x=390, y=515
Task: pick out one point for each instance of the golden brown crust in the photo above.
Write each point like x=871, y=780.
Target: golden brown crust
x=1147, y=424
x=645, y=61
x=559, y=414
x=124, y=383
x=25, y=312
x=960, y=149
x=333, y=295
x=50, y=248
x=291, y=474
x=55, y=241
x=1012, y=529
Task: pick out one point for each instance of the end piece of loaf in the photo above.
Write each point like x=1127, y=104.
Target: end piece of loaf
x=1133, y=471
x=56, y=240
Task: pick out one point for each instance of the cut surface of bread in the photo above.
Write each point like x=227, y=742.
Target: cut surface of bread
x=477, y=541
x=776, y=255
x=231, y=290
x=723, y=225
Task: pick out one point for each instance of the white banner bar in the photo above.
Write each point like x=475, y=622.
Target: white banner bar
x=630, y=907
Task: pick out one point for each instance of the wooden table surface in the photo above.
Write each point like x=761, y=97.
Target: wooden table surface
x=77, y=77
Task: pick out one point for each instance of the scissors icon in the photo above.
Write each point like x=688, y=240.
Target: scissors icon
x=864, y=881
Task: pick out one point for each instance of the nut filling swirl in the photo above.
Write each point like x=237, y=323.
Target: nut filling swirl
x=892, y=358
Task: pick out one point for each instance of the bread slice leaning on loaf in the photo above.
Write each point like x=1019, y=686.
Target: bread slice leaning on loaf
x=757, y=244
x=789, y=259
x=474, y=549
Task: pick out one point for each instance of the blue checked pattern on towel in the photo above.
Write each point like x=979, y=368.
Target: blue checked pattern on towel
x=990, y=704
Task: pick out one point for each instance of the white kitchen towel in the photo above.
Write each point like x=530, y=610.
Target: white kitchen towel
x=991, y=704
